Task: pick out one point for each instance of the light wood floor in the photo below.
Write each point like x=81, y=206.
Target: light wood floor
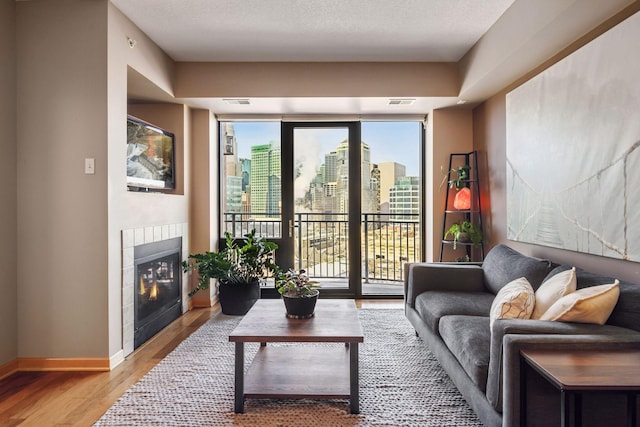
x=45, y=399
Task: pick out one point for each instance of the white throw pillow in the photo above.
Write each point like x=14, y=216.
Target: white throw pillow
x=514, y=301
x=588, y=305
x=552, y=290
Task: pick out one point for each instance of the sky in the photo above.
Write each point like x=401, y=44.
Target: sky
x=388, y=141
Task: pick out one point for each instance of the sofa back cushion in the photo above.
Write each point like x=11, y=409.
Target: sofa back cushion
x=504, y=264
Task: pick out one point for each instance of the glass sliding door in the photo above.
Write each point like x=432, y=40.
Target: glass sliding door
x=391, y=214
x=343, y=200
x=318, y=210
x=250, y=179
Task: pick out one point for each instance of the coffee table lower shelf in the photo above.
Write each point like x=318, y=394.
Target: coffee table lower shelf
x=300, y=372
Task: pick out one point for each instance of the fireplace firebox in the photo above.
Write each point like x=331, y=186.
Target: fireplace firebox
x=158, y=287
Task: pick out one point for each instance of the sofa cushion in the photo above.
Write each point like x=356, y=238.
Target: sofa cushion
x=469, y=340
x=552, y=289
x=432, y=305
x=503, y=264
x=514, y=301
x=626, y=313
x=588, y=305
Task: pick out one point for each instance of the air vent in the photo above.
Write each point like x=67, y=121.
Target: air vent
x=401, y=101
x=237, y=101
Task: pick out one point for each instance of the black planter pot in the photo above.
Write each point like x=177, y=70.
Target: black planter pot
x=300, y=307
x=237, y=299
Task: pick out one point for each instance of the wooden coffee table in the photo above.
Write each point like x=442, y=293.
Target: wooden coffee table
x=299, y=372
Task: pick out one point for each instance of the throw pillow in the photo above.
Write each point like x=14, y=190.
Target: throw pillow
x=552, y=290
x=588, y=305
x=514, y=301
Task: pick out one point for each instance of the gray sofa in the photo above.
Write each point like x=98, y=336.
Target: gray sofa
x=449, y=304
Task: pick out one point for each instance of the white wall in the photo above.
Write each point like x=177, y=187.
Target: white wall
x=62, y=213
x=8, y=170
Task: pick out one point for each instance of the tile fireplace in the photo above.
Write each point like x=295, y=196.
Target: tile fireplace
x=157, y=288
x=148, y=258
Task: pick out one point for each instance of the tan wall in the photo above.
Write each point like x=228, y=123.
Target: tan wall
x=128, y=209
x=62, y=213
x=8, y=171
x=301, y=79
x=490, y=140
x=452, y=132
x=69, y=251
x=528, y=33
x=204, y=201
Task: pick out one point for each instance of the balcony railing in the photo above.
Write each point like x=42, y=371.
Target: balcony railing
x=321, y=241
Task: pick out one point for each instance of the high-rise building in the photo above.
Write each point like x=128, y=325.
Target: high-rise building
x=368, y=201
x=390, y=173
x=375, y=186
x=245, y=168
x=230, y=150
x=232, y=170
x=404, y=198
x=265, y=180
x=331, y=167
x=233, y=202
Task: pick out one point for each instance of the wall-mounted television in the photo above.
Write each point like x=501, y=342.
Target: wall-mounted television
x=150, y=157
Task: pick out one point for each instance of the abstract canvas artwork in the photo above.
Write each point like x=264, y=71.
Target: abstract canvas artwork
x=573, y=150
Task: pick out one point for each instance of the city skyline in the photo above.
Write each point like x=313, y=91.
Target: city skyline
x=382, y=138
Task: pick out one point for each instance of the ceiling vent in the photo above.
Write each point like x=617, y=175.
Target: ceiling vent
x=237, y=101
x=401, y=101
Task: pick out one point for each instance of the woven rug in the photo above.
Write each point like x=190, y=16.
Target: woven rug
x=401, y=384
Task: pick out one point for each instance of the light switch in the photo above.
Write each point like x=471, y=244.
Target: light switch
x=89, y=166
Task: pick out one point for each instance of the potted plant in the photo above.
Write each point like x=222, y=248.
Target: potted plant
x=464, y=232
x=298, y=292
x=239, y=268
x=462, y=176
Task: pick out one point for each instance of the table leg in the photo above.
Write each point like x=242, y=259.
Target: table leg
x=523, y=392
x=354, y=378
x=564, y=409
x=631, y=409
x=239, y=394
x=577, y=412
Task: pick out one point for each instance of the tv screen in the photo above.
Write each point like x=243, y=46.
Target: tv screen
x=150, y=161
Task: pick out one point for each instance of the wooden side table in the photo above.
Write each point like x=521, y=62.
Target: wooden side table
x=576, y=371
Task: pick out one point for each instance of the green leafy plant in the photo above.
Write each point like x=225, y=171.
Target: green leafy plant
x=464, y=232
x=295, y=284
x=241, y=261
x=462, y=175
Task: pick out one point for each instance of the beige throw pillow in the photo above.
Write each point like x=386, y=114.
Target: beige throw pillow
x=514, y=301
x=552, y=290
x=589, y=305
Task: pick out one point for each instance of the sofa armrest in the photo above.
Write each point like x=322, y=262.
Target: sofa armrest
x=565, y=332
x=514, y=343
x=421, y=277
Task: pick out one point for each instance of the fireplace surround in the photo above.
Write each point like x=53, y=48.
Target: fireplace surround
x=135, y=237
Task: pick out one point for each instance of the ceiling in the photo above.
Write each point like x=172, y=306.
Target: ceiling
x=315, y=30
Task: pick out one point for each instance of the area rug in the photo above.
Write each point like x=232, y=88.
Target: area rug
x=401, y=384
